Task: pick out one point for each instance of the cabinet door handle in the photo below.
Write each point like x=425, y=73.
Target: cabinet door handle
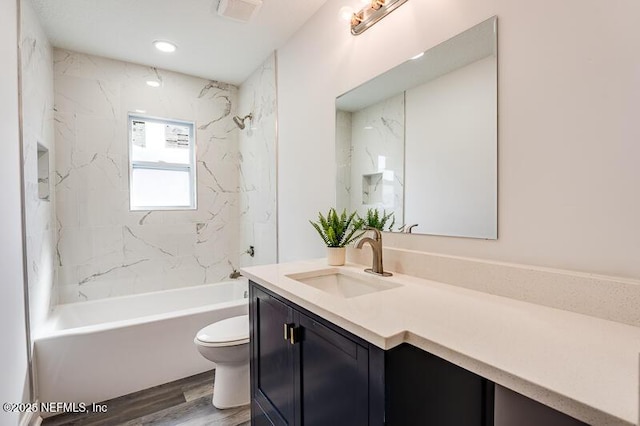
x=287, y=330
x=294, y=335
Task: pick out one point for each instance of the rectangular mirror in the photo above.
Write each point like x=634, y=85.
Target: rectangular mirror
x=421, y=139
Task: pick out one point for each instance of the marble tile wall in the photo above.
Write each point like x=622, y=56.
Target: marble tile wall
x=37, y=123
x=371, y=171
x=257, y=167
x=105, y=250
x=343, y=160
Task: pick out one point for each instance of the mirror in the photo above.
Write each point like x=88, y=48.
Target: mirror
x=420, y=140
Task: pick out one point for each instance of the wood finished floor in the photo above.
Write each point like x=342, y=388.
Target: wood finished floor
x=186, y=402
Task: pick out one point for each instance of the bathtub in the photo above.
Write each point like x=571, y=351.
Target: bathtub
x=97, y=350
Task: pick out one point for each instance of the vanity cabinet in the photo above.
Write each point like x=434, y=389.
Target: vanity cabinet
x=307, y=371
x=304, y=371
x=272, y=367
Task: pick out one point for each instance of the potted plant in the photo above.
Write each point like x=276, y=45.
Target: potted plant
x=377, y=221
x=337, y=230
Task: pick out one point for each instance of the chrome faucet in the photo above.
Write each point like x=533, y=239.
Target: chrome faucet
x=376, y=246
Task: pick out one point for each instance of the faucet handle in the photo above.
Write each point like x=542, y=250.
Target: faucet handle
x=376, y=231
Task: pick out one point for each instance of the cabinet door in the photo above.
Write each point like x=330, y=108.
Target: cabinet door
x=272, y=368
x=424, y=390
x=332, y=380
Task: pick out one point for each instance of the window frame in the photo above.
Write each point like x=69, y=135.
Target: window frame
x=161, y=165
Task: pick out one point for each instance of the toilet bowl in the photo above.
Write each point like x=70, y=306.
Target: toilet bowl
x=226, y=343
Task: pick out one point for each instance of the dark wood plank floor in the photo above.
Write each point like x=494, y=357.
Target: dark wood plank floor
x=185, y=402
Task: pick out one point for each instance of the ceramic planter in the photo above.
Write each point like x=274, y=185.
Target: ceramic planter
x=336, y=255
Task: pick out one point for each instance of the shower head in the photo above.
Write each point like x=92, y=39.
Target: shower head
x=240, y=121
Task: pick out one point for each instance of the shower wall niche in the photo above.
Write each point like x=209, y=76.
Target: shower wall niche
x=44, y=188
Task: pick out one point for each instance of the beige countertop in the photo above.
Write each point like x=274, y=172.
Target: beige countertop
x=583, y=366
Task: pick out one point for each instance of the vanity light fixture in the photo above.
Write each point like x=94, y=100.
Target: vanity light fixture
x=165, y=46
x=346, y=12
x=153, y=83
x=372, y=13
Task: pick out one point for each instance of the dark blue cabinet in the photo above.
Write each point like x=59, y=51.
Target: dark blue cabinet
x=272, y=365
x=304, y=372
x=307, y=371
x=422, y=389
x=331, y=376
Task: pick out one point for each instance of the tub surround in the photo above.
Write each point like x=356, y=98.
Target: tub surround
x=584, y=366
x=38, y=130
x=105, y=250
x=257, y=142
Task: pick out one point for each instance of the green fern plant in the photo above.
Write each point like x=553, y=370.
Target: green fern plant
x=338, y=230
x=374, y=219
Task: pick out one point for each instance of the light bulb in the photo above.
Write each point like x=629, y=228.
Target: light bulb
x=153, y=83
x=346, y=12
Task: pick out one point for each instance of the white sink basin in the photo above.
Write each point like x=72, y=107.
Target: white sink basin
x=343, y=283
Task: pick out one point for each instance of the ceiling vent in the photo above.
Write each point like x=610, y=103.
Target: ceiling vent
x=239, y=10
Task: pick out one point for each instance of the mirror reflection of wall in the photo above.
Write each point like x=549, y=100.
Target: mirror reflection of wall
x=451, y=153
x=421, y=140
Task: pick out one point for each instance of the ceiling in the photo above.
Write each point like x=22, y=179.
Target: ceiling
x=209, y=45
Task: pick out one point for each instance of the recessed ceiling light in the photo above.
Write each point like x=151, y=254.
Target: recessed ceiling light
x=153, y=83
x=418, y=56
x=165, y=46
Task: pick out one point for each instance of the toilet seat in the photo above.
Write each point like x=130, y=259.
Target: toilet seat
x=228, y=332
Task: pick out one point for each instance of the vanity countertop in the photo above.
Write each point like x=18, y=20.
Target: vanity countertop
x=583, y=366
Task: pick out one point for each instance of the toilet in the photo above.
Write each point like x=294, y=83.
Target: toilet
x=226, y=343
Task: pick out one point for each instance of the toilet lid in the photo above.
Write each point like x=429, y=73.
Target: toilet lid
x=231, y=331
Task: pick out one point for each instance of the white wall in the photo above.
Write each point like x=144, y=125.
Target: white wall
x=451, y=154
x=569, y=93
x=14, y=385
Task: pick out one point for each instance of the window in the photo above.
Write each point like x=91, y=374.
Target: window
x=162, y=173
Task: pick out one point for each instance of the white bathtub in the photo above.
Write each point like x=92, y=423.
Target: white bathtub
x=97, y=350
